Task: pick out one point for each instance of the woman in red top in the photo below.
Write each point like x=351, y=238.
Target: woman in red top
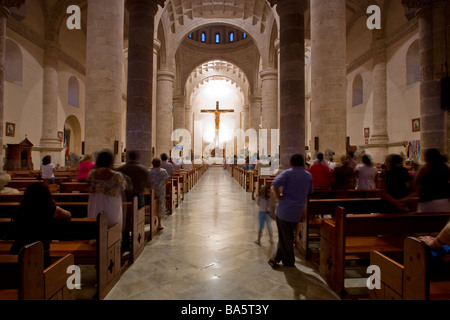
x=85, y=166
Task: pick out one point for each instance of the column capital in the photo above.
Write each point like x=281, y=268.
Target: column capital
x=52, y=48
x=269, y=74
x=166, y=75
x=156, y=44
x=179, y=99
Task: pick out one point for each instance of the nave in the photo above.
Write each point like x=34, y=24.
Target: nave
x=207, y=252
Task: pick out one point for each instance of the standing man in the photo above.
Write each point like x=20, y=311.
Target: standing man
x=296, y=184
x=138, y=175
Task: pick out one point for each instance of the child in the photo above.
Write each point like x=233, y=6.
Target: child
x=263, y=215
x=48, y=169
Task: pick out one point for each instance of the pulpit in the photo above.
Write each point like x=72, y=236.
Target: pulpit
x=18, y=156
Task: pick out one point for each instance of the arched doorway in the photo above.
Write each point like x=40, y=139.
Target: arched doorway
x=72, y=136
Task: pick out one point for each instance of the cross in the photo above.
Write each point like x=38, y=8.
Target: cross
x=217, y=113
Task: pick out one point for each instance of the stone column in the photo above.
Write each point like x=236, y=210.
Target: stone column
x=379, y=137
x=292, y=78
x=164, y=101
x=189, y=121
x=104, y=61
x=255, y=112
x=156, y=47
x=50, y=145
x=179, y=115
x=245, y=121
x=140, y=77
x=269, y=84
x=329, y=75
x=4, y=15
x=432, y=134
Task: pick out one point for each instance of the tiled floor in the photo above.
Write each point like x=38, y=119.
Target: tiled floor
x=207, y=252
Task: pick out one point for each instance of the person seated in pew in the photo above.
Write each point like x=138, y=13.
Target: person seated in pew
x=431, y=183
x=158, y=181
x=395, y=184
x=33, y=219
x=165, y=164
x=322, y=175
x=344, y=176
x=138, y=175
x=366, y=174
x=440, y=247
x=48, y=169
x=106, y=189
x=85, y=166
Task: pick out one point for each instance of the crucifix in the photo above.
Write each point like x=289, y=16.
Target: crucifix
x=217, y=112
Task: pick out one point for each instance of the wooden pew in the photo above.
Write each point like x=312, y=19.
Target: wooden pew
x=177, y=187
x=317, y=209
x=134, y=219
x=135, y=225
x=350, y=237
x=410, y=278
x=58, y=197
x=183, y=178
x=76, y=237
x=151, y=213
x=28, y=280
x=68, y=187
x=170, y=196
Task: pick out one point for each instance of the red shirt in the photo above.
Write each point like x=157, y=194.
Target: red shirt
x=83, y=170
x=322, y=175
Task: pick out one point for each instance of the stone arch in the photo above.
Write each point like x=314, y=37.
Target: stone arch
x=73, y=137
x=413, y=63
x=13, y=63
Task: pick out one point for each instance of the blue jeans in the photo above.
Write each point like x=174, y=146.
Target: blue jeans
x=264, y=218
x=437, y=255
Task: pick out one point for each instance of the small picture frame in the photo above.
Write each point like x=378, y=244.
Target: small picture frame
x=366, y=141
x=10, y=129
x=60, y=136
x=416, y=125
x=366, y=132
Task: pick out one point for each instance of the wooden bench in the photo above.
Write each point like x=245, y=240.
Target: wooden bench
x=318, y=209
x=91, y=242
x=350, y=237
x=68, y=187
x=135, y=225
x=24, y=276
x=410, y=278
x=177, y=187
x=134, y=219
x=151, y=213
x=170, y=197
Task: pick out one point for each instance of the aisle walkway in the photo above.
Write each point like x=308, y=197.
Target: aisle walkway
x=207, y=251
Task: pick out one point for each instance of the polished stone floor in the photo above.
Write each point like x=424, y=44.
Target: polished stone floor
x=207, y=252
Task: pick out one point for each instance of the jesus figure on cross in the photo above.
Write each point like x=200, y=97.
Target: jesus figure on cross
x=217, y=113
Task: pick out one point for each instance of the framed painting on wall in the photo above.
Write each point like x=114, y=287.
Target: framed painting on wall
x=10, y=129
x=366, y=132
x=60, y=136
x=416, y=125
